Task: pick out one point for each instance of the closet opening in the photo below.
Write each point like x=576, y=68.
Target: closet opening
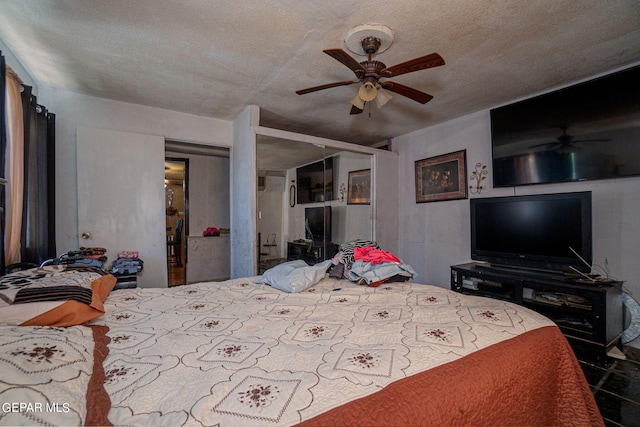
x=204, y=247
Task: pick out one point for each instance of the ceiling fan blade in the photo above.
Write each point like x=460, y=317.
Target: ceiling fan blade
x=355, y=110
x=544, y=144
x=590, y=140
x=346, y=59
x=410, y=93
x=326, y=86
x=561, y=143
x=422, y=63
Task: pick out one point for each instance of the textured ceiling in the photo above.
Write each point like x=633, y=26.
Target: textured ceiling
x=213, y=58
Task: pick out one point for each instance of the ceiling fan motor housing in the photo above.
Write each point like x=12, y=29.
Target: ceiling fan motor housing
x=372, y=71
x=370, y=45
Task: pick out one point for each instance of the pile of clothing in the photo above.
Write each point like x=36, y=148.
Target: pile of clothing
x=126, y=265
x=93, y=253
x=364, y=262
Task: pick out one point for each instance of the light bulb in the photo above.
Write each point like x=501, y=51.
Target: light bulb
x=357, y=102
x=367, y=92
x=383, y=97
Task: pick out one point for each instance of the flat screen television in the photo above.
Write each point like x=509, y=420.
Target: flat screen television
x=317, y=224
x=315, y=182
x=539, y=232
x=583, y=132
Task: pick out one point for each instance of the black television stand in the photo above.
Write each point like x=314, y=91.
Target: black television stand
x=529, y=272
x=589, y=314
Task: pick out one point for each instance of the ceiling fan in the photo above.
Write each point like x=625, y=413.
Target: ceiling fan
x=565, y=142
x=369, y=73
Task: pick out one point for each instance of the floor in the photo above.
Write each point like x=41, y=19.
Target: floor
x=178, y=275
x=616, y=388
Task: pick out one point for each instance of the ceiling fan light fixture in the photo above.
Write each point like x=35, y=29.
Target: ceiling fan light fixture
x=369, y=72
x=367, y=91
x=382, y=98
x=357, y=102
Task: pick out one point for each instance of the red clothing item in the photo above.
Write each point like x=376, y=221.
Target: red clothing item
x=373, y=255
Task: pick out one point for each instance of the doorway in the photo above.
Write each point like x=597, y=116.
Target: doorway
x=176, y=173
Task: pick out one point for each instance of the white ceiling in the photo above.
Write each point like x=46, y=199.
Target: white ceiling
x=214, y=57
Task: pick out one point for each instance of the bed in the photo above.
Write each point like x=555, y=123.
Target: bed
x=238, y=353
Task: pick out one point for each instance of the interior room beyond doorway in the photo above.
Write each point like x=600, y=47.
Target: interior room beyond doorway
x=177, y=214
x=207, y=205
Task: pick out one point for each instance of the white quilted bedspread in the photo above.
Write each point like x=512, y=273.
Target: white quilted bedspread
x=44, y=374
x=239, y=353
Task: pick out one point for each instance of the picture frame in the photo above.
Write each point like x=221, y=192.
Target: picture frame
x=441, y=177
x=359, y=187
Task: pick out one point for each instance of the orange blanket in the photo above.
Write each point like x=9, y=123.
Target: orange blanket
x=532, y=379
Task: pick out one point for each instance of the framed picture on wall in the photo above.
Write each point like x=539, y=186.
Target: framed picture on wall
x=359, y=189
x=442, y=177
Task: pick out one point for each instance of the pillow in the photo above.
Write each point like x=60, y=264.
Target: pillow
x=294, y=276
x=53, y=296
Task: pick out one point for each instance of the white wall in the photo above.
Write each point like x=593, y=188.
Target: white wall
x=16, y=66
x=435, y=235
x=73, y=110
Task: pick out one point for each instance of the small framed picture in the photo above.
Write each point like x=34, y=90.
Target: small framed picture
x=359, y=189
x=442, y=177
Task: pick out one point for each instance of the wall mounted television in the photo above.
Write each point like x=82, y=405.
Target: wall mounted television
x=317, y=224
x=533, y=231
x=586, y=131
x=315, y=182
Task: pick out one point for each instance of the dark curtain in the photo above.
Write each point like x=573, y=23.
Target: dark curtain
x=38, y=229
x=3, y=143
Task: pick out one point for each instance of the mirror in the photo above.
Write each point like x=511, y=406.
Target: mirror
x=314, y=225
